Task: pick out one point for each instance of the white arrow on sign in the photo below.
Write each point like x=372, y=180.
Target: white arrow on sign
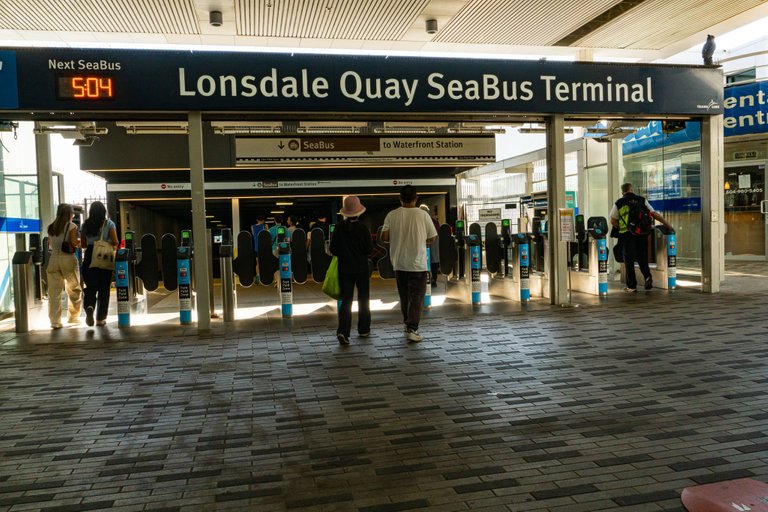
x=740, y=508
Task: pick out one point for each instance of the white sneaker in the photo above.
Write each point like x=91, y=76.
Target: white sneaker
x=412, y=335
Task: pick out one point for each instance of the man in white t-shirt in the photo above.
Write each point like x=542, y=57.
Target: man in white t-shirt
x=409, y=230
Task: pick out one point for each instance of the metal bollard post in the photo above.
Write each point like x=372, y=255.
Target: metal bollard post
x=227, y=283
x=22, y=261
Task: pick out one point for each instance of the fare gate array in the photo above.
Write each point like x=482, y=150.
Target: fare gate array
x=516, y=265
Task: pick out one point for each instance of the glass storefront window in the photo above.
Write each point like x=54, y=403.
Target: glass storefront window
x=597, y=186
x=668, y=174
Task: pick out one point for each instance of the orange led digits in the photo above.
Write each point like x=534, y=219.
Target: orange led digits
x=85, y=88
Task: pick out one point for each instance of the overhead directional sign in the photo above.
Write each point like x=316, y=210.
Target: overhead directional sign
x=468, y=151
x=265, y=185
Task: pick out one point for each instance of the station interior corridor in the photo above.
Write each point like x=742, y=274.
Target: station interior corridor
x=616, y=406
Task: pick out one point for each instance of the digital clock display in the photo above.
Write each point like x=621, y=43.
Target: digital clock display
x=85, y=87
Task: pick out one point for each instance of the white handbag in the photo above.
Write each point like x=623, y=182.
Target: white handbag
x=103, y=256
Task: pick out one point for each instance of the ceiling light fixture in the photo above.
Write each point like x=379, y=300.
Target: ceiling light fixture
x=215, y=18
x=432, y=26
x=154, y=128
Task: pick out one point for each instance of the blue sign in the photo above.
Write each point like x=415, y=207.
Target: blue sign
x=18, y=225
x=746, y=109
x=9, y=94
x=653, y=136
x=150, y=80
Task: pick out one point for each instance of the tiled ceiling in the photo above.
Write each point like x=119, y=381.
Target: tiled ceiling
x=496, y=26
x=122, y=16
x=656, y=23
x=520, y=22
x=385, y=20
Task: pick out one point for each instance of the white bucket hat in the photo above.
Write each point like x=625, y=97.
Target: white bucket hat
x=352, y=207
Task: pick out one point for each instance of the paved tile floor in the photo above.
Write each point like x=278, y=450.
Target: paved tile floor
x=508, y=408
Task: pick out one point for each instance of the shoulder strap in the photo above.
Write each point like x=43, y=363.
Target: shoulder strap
x=105, y=224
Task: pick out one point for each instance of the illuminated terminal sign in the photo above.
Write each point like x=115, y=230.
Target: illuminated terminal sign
x=82, y=79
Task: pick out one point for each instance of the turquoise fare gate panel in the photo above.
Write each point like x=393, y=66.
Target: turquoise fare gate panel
x=474, y=254
x=672, y=261
x=602, y=267
x=525, y=272
x=286, y=280
x=185, y=287
x=121, y=288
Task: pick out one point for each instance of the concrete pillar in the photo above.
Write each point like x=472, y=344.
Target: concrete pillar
x=44, y=179
x=615, y=176
x=199, y=233
x=558, y=254
x=712, y=204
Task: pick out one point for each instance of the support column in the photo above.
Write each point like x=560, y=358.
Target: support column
x=235, y=221
x=615, y=173
x=712, y=204
x=44, y=179
x=199, y=234
x=558, y=256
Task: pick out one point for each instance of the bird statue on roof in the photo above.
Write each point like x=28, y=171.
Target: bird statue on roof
x=708, y=50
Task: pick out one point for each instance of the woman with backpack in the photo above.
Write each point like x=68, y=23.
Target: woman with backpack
x=63, y=271
x=97, y=280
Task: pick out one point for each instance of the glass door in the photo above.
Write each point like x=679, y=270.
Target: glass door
x=745, y=235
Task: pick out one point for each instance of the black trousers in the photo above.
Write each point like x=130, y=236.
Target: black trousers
x=635, y=249
x=97, y=284
x=347, y=283
x=411, y=286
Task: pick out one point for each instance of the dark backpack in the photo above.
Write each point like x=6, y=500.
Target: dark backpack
x=639, y=219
